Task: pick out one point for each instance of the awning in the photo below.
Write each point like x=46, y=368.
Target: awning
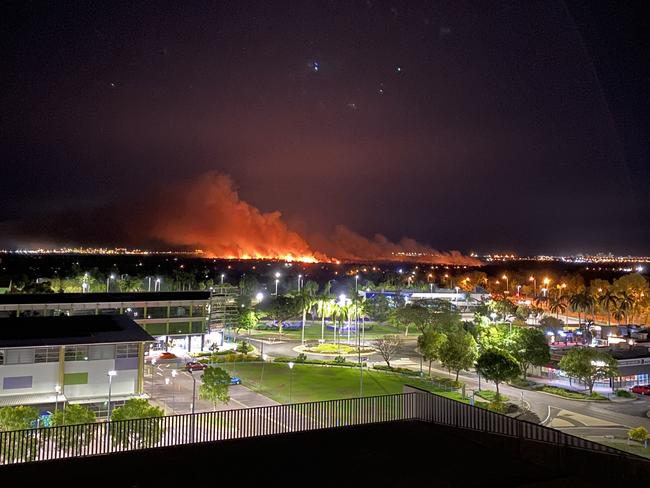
x=30, y=399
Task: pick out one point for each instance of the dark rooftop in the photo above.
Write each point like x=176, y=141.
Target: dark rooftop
x=158, y=296
x=64, y=330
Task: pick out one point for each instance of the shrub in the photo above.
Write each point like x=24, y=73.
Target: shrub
x=301, y=358
x=244, y=347
x=498, y=407
x=624, y=394
x=639, y=434
x=339, y=359
x=575, y=395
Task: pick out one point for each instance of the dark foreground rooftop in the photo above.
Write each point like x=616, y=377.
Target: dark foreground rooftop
x=141, y=296
x=64, y=330
x=406, y=453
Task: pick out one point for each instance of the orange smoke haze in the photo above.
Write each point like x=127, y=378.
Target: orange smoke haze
x=210, y=215
x=207, y=213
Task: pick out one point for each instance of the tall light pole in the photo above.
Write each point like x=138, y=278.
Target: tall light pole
x=277, y=280
x=299, y=279
x=57, y=391
x=290, y=381
x=534, y=280
x=110, y=375
x=222, y=277
x=149, y=280
x=111, y=277
x=157, y=285
x=456, y=288
x=193, y=391
x=265, y=357
x=505, y=277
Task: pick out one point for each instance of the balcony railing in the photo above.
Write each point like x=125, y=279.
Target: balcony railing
x=50, y=443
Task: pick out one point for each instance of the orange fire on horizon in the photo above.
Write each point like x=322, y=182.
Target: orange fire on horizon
x=212, y=217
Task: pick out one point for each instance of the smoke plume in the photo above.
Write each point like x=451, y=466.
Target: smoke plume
x=207, y=213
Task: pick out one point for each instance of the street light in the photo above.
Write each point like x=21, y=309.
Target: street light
x=299, y=278
x=505, y=277
x=222, y=277
x=534, y=280
x=259, y=297
x=157, y=285
x=290, y=380
x=277, y=280
x=111, y=277
x=110, y=375
x=57, y=390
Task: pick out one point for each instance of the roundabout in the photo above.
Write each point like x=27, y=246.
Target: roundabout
x=330, y=350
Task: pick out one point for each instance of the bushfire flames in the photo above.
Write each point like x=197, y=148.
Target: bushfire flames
x=213, y=217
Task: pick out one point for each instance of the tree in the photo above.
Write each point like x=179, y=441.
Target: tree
x=530, y=349
x=324, y=309
x=306, y=299
x=22, y=445
x=557, y=305
x=379, y=308
x=589, y=365
x=281, y=308
x=145, y=428
x=215, y=386
x=429, y=345
x=248, y=288
x=387, y=346
x=246, y=319
x=459, y=351
x=581, y=302
x=608, y=302
x=497, y=366
x=549, y=322
x=411, y=314
x=73, y=414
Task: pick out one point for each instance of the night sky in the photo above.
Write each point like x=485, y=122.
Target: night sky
x=485, y=126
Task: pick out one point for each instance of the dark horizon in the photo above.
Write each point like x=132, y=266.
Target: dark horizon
x=504, y=127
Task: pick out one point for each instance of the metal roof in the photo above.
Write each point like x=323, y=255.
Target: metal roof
x=142, y=296
x=64, y=330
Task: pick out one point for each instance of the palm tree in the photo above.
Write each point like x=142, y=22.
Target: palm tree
x=626, y=303
x=608, y=301
x=306, y=300
x=557, y=305
x=324, y=309
x=581, y=302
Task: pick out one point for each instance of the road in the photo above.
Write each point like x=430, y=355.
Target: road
x=584, y=418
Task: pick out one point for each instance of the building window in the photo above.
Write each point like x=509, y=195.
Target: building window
x=129, y=350
x=19, y=356
x=76, y=353
x=104, y=351
x=46, y=355
x=2, y=357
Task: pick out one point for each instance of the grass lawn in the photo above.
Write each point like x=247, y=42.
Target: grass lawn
x=633, y=448
x=311, y=383
x=313, y=332
x=574, y=395
x=491, y=396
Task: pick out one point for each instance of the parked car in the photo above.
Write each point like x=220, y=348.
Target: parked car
x=195, y=366
x=235, y=380
x=166, y=355
x=641, y=389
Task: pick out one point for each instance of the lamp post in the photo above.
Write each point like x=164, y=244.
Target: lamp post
x=290, y=380
x=456, y=288
x=149, y=283
x=264, y=359
x=157, y=285
x=111, y=277
x=222, y=277
x=57, y=391
x=110, y=375
x=505, y=277
x=299, y=279
x=534, y=280
x=193, y=391
x=277, y=280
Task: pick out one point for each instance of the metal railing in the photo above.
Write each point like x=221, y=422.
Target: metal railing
x=118, y=436
x=49, y=443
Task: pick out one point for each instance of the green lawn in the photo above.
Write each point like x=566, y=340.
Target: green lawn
x=313, y=332
x=311, y=383
x=621, y=444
